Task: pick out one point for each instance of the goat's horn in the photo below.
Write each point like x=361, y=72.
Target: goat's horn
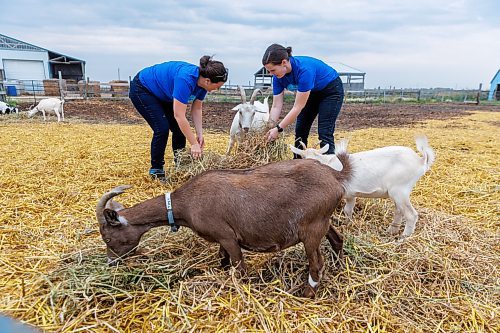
x=324, y=149
x=243, y=95
x=254, y=95
x=296, y=151
x=99, y=211
x=303, y=145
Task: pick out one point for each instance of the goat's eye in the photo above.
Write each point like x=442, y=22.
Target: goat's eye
x=107, y=240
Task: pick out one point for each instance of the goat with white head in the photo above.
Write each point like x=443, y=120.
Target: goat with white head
x=251, y=115
x=6, y=108
x=388, y=172
x=53, y=105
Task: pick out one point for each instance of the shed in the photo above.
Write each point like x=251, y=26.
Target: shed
x=352, y=78
x=21, y=61
x=495, y=88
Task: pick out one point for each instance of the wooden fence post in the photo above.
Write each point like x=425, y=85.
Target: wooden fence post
x=479, y=93
x=60, y=85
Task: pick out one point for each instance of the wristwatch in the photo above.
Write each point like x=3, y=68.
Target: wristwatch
x=280, y=129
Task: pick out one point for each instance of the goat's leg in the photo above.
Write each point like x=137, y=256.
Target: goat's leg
x=315, y=267
x=403, y=204
x=411, y=217
x=398, y=218
x=336, y=241
x=349, y=208
x=225, y=261
x=231, y=144
x=43, y=112
x=62, y=111
x=56, y=111
x=234, y=250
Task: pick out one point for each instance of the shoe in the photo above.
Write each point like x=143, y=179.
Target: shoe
x=157, y=174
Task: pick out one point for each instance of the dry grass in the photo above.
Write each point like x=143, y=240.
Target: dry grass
x=53, y=273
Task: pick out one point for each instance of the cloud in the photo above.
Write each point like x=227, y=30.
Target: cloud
x=397, y=43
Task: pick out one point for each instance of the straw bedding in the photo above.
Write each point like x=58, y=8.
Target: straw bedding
x=445, y=278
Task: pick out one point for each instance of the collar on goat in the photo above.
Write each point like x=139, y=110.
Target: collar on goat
x=170, y=213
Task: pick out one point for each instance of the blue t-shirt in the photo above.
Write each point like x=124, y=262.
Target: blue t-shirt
x=307, y=74
x=173, y=79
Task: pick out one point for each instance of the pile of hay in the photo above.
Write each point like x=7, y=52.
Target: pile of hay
x=54, y=274
x=252, y=152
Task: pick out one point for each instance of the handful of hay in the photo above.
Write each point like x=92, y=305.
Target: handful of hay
x=250, y=153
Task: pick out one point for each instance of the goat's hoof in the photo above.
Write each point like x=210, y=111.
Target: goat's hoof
x=393, y=230
x=309, y=292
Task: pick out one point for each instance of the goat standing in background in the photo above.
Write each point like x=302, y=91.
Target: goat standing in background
x=265, y=209
x=6, y=108
x=49, y=105
x=388, y=172
x=250, y=115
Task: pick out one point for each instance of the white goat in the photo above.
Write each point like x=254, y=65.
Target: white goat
x=388, y=172
x=250, y=115
x=6, y=108
x=49, y=105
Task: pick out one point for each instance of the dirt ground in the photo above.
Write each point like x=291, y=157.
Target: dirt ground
x=218, y=116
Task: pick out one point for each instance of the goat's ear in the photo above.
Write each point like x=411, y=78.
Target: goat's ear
x=114, y=205
x=236, y=108
x=111, y=217
x=334, y=162
x=297, y=151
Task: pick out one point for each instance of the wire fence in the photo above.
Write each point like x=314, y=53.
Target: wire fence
x=71, y=89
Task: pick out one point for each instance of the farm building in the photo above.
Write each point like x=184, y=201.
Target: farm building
x=22, y=63
x=495, y=88
x=353, y=79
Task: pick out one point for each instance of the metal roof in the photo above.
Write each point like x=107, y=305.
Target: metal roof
x=342, y=68
x=338, y=66
x=9, y=43
x=496, y=77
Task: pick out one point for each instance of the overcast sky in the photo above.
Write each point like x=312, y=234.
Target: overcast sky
x=425, y=43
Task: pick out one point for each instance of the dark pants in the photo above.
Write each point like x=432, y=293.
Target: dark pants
x=326, y=105
x=160, y=117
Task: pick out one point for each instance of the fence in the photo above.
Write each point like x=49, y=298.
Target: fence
x=71, y=89
x=416, y=95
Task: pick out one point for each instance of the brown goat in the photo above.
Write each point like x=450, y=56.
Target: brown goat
x=264, y=209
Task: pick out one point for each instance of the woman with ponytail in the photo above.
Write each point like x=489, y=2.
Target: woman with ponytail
x=160, y=93
x=320, y=93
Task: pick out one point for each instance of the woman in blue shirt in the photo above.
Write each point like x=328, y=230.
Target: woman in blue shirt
x=160, y=93
x=320, y=93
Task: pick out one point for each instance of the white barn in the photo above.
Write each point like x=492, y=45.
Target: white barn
x=22, y=62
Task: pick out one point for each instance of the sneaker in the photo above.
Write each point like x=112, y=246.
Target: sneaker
x=157, y=174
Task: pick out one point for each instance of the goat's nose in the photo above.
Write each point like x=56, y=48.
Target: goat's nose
x=245, y=129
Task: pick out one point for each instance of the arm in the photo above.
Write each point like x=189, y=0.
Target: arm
x=276, y=108
x=196, y=113
x=300, y=102
x=180, y=117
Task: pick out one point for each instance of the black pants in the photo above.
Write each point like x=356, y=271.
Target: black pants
x=160, y=117
x=326, y=105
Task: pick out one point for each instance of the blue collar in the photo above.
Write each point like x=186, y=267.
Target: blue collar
x=170, y=213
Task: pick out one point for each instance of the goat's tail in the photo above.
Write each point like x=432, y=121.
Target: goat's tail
x=428, y=155
x=341, y=147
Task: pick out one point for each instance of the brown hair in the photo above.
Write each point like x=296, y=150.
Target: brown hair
x=212, y=69
x=275, y=54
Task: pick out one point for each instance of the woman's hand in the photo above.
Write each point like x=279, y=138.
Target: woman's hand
x=201, y=141
x=272, y=134
x=196, y=151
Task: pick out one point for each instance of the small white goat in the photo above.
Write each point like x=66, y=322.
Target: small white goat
x=250, y=115
x=49, y=105
x=6, y=108
x=388, y=172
